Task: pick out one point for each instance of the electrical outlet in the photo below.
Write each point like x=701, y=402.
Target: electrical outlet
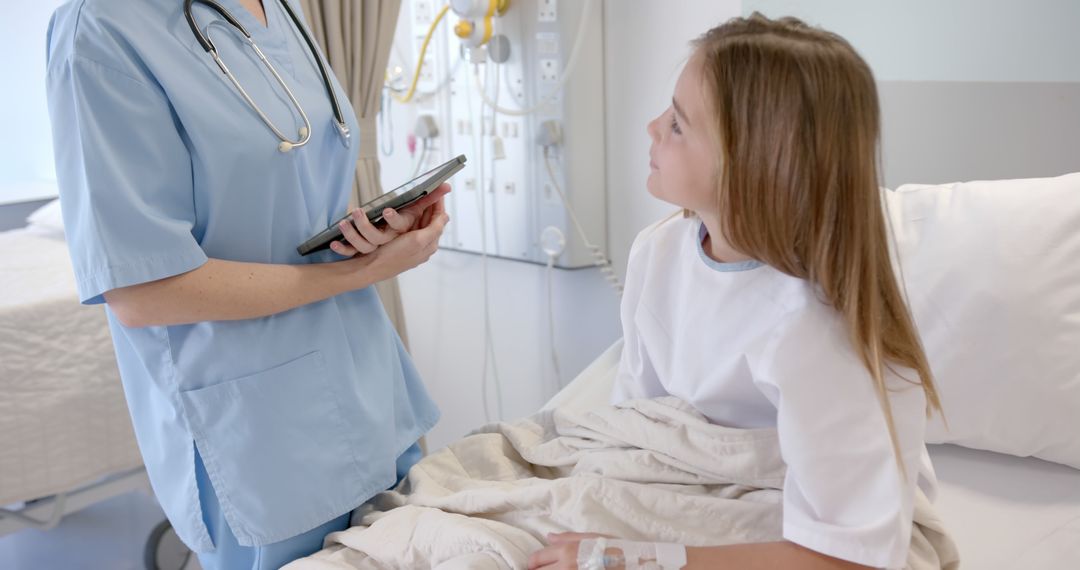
x=422, y=12
x=549, y=70
x=427, y=72
x=547, y=43
x=548, y=10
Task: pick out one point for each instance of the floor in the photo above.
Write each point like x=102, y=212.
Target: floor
x=110, y=535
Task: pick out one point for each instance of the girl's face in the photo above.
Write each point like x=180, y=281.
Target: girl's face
x=683, y=155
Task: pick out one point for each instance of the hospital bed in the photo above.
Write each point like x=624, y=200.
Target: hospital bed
x=1005, y=512
x=66, y=440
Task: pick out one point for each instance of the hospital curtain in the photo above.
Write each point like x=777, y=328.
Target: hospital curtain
x=356, y=36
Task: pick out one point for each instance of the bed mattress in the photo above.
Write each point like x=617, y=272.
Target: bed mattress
x=63, y=419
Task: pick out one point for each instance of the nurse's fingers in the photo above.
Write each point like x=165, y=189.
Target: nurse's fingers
x=400, y=223
x=423, y=203
x=340, y=248
x=433, y=231
x=373, y=235
x=422, y=221
x=354, y=238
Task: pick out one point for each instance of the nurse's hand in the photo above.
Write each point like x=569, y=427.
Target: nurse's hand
x=408, y=250
x=362, y=237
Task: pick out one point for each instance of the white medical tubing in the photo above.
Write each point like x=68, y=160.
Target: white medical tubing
x=599, y=259
x=634, y=555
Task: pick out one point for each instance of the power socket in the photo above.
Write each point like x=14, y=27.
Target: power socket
x=427, y=75
x=422, y=12
x=549, y=70
x=548, y=10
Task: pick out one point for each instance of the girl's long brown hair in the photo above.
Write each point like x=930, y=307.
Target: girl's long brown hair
x=797, y=121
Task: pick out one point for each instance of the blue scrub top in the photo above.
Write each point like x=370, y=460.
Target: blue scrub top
x=300, y=416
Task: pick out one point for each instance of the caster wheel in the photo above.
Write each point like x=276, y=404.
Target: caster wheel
x=164, y=550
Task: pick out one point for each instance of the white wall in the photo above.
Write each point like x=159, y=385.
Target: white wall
x=955, y=40
x=969, y=89
x=645, y=45
x=26, y=159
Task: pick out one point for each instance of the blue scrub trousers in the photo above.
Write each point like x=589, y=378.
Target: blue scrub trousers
x=229, y=555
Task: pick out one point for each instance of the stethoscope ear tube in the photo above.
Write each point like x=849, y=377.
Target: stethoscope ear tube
x=206, y=44
x=339, y=117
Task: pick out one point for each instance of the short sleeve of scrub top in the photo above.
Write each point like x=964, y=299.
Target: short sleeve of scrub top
x=129, y=211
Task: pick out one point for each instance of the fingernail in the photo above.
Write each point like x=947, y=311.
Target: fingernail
x=389, y=213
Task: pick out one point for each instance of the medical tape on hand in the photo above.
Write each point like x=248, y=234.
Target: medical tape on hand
x=670, y=556
x=590, y=554
x=635, y=555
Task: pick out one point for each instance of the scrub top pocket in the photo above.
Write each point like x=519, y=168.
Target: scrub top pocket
x=274, y=442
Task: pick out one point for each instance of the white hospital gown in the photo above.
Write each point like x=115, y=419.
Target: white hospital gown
x=751, y=347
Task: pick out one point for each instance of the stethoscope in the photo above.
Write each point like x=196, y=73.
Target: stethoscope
x=287, y=144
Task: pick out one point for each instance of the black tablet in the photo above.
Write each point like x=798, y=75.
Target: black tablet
x=396, y=199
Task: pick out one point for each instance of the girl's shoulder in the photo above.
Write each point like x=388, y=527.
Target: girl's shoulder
x=662, y=234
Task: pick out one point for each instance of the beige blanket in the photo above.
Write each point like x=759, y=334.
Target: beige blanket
x=646, y=470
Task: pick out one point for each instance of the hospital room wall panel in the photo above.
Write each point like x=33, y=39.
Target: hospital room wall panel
x=645, y=44
x=970, y=89
x=936, y=131
x=957, y=40
x=444, y=308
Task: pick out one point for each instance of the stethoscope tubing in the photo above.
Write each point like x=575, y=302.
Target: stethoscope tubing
x=207, y=44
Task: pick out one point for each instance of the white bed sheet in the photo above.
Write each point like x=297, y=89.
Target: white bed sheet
x=1009, y=513
x=63, y=419
x=1005, y=512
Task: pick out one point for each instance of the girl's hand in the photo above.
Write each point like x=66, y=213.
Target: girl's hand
x=362, y=237
x=562, y=554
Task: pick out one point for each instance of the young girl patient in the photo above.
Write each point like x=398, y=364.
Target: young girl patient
x=772, y=302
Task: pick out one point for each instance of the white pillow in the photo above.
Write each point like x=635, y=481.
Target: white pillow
x=992, y=270
x=47, y=218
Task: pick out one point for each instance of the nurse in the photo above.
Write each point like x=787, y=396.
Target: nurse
x=269, y=393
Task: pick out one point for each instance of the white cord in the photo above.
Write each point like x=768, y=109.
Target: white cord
x=599, y=259
x=568, y=70
x=551, y=321
x=423, y=157
x=489, y=351
x=510, y=90
x=494, y=159
x=386, y=124
x=483, y=220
